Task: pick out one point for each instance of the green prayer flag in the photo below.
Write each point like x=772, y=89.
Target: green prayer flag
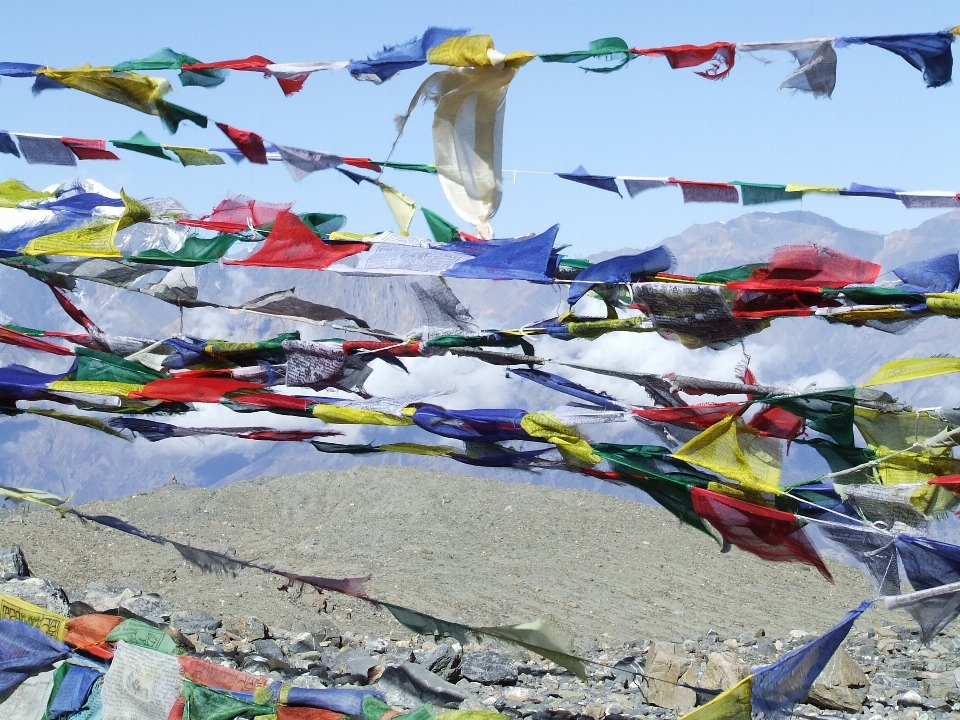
x=167, y=59
x=830, y=412
x=194, y=251
x=743, y=272
x=194, y=156
x=415, y=167
x=442, y=230
x=137, y=632
x=203, y=703
x=172, y=115
x=323, y=223
x=97, y=365
x=843, y=457
x=878, y=295
x=575, y=263
x=142, y=144
x=604, y=47
x=329, y=447
x=759, y=193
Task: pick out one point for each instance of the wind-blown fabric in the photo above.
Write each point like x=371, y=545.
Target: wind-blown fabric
x=808, y=267
x=611, y=47
x=817, y=73
x=300, y=163
x=25, y=650
x=637, y=185
x=858, y=190
x=142, y=144
x=249, y=143
x=738, y=453
x=758, y=193
x=527, y=259
x=913, y=369
x=603, y=182
x=720, y=55
x=167, y=59
x=929, y=53
x=73, y=691
x=568, y=387
x=483, y=425
x=770, y=534
x=139, y=92
x=402, y=207
x=382, y=66
x=936, y=275
x=933, y=609
x=871, y=548
x=238, y=214
x=7, y=145
x=703, y=416
x=622, y=269
x=292, y=244
x=45, y=150
x=290, y=82
x=468, y=138
x=707, y=191
x=89, y=149
x=777, y=688
x=929, y=199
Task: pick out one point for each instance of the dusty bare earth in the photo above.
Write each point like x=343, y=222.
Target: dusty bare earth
x=461, y=548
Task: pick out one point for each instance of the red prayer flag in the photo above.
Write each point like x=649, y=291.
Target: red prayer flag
x=722, y=55
x=289, y=712
x=777, y=422
x=767, y=533
x=192, y=389
x=390, y=348
x=12, y=337
x=89, y=633
x=86, y=149
x=287, y=435
x=208, y=674
x=808, y=267
x=292, y=244
x=365, y=163
x=249, y=143
x=254, y=62
x=703, y=416
x=949, y=482
x=234, y=215
x=274, y=401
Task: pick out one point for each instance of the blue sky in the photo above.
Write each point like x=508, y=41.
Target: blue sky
x=882, y=127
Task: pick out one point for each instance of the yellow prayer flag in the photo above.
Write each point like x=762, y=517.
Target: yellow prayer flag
x=95, y=387
x=417, y=449
x=796, y=187
x=944, y=303
x=12, y=608
x=475, y=51
x=134, y=211
x=402, y=207
x=574, y=449
x=913, y=369
x=737, y=452
x=733, y=704
x=94, y=240
x=14, y=192
x=345, y=415
x=139, y=92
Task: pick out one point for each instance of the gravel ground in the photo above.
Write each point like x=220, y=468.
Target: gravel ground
x=461, y=548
